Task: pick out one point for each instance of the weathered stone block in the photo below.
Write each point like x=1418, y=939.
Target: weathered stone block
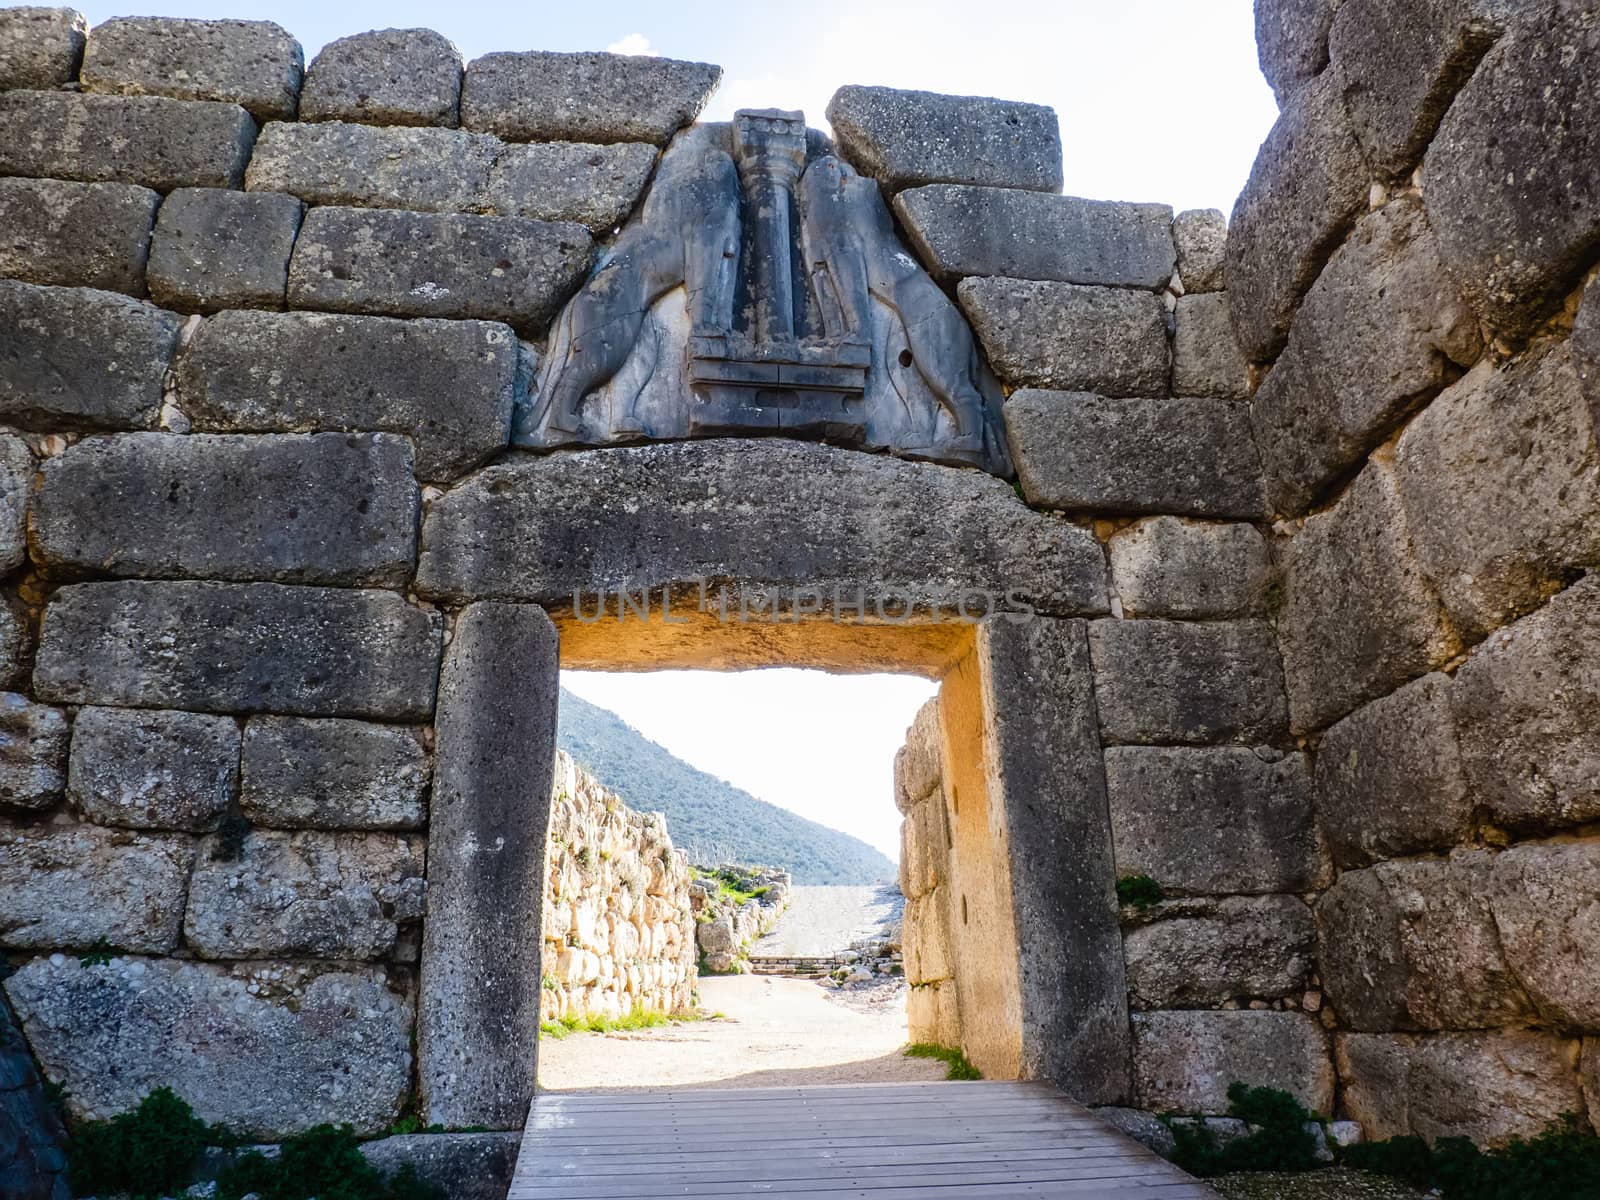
x=332, y=774
x=1211, y=821
x=448, y=385
x=1058, y=335
x=1359, y=618
x=465, y=1166
x=40, y=47
x=296, y=508
x=1400, y=64
x=478, y=1030
x=1489, y=1087
x=934, y=1014
x=73, y=887
x=1292, y=41
x=1308, y=184
x=305, y=895
x=959, y=231
x=1412, y=945
x=228, y=647
x=410, y=264
x=80, y=357
x=16, y=642
x=1382, y=330
x=1526, y=705
x=542, y=96
x=1389, y=779
x=676, y=513
x=151, y=769
x=76, y=234
x=1237, y=948
x=1543, y=902
x=1172, y=682
x=385, y=77
x=1205, y=355
x=16, y=487
x=149, y=140
x=1507, y=182
x=1079, y=451
x=448, y=170
x=254, y=64
x=1188, y=570
x=33, y=752
x=267, y=1049
x=919, y=764
x=1500, y=479
x=1586, y=345
x=216, y=249
x=904, y=139
x=1200, y=236
x=1184, y=1061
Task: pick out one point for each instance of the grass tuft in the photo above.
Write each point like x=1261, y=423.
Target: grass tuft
x=960, y=1067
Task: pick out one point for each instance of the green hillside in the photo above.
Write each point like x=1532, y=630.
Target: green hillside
x=713, y=820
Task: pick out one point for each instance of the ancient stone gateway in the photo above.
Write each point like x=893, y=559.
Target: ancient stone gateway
x=341, y=407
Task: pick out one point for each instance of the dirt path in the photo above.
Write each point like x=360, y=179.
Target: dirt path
x=774, y=1031
x=825, y=920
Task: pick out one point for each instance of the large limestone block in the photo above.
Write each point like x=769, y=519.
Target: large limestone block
x=1238, y=948
x=904, y=139
x=1184, y=1061
x=33, y=752
x=296, y=508
x=1500, y=478
x=1292, y=41
x=153, y=769
x=16, y=490
x=76, y=234
x=548, y=529
x=1078, y=451
x=933, y=1014
x=1171, y=681
x=478, y=1026
x=81, y=357
x=1382, y=330
x=224, y=647
x=410, y=264
x=959, y=231
x=268, y=1050
x=594, y=185
x=927, y=941
x=1400, y=63
x=540, y=96
x=216, y=249
x=81, y=887
x=1412, y=945
x=1188, y=570
x=305, y=895
x=1044, y=767
x=467, y=1166
x=1586, y=345
x=1527, y=705
x=1543, y=897
x=919, y=764
x=1306, y=187
x=448, y=385
x=1508, y=181
x=1359, y=617
x=1206, y=360
x=305, y=773
x=255, y=64
x=1112, y=341
x=1489, y=1087
x=385, y=77
x=148, y=140
x=1200, y=236
x=40, y=47
x=1213, y=821
x=1389, y=779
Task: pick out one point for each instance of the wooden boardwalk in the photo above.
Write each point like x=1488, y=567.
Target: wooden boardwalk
x=874, y=1141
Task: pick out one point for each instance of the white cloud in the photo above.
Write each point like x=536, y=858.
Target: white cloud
x=634, y=43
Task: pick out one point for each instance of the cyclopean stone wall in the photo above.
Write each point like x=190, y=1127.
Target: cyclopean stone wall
x=618, y=933
x=1408, y=265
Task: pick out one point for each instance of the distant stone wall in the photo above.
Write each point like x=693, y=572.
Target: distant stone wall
x=724, y=931
x=933, y=1009
x=617, y=927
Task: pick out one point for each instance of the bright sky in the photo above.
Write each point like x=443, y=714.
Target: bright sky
x=1159, y=100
